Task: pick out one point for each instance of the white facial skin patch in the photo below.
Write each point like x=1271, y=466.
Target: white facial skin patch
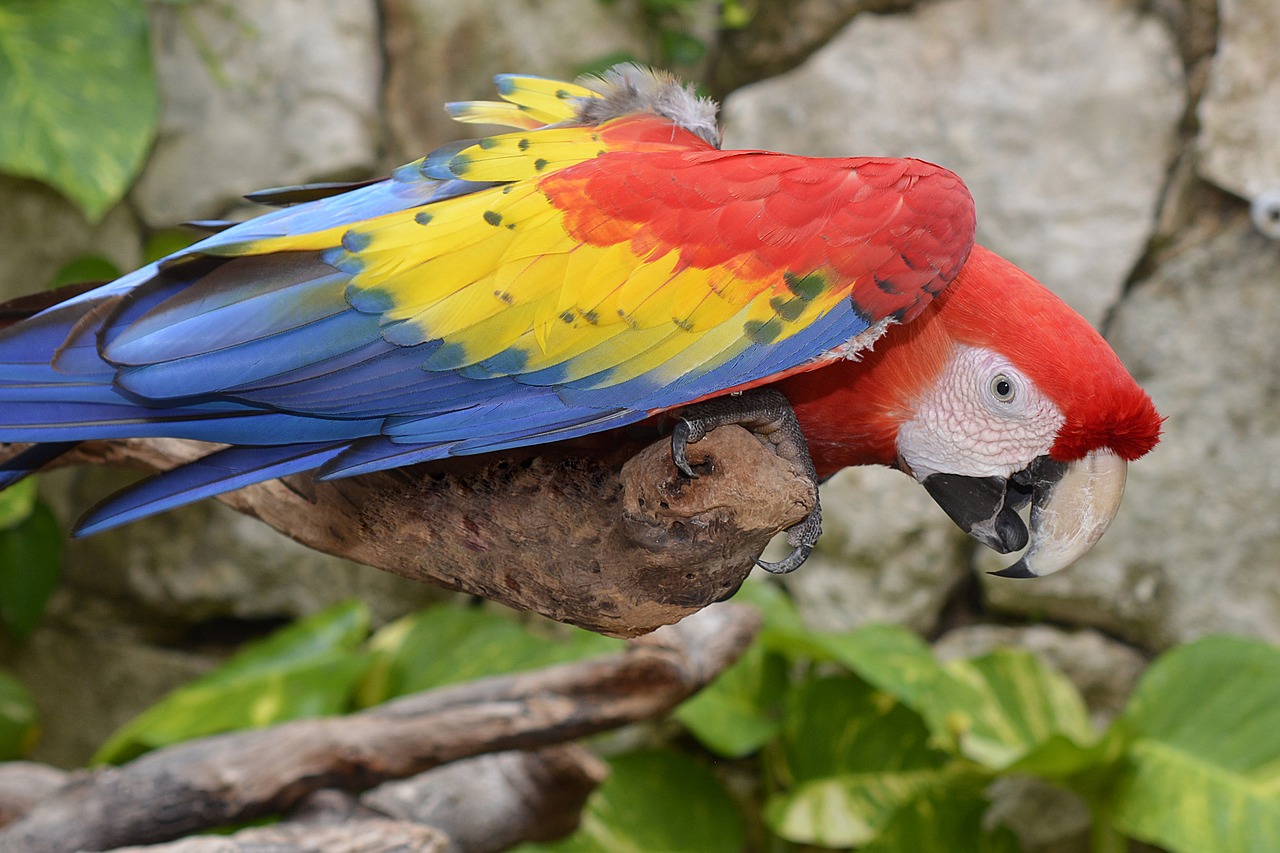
x=983, y=418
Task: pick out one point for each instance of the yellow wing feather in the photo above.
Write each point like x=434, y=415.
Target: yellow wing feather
x=497, y=278
x=492, y=112
x=549, y=100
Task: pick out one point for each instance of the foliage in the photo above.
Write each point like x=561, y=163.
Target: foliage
x=444, y=645
x=329, y=664
x=30, y=558
x=677, y=30
x=305, y=670
x=31, y=541
x=872, y=742
x=655, y=800
x=861, y=739
x=1203, y=769
x=78, y=100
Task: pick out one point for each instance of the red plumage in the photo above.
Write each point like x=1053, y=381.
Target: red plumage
x=851, y=411
x=763, y=212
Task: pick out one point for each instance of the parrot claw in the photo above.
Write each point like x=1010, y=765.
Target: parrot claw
x=768, y=415
x=787, y=564
x=684, y=433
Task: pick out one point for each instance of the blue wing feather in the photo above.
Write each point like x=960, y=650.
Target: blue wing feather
x=31, y=460
x=268, y=352
x=211, y=475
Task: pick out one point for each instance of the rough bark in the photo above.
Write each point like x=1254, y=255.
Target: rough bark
x=618, y=542
x=243, y=775
x=491, y=802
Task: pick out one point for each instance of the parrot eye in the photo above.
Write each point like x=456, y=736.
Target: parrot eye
x=1002, y=388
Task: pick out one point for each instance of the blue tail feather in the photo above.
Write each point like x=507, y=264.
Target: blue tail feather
x=221, y=471
x=30, y=461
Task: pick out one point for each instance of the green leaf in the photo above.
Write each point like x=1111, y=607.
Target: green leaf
x=902, y=665
x=1028, y=710
x=902, y=812
x=17, y=503
x=1204, y=770
x=446, y=645
x=18, y=726
x=837, y=725
x=1001, y=709
x=942, y=817
x=30, y=567
x=740, y=711
x=655, y=801
x=734, y=14
x=86, y=268
x=780, y=614
x=307, y=669
x=851, y=755
x=783, y=630
x=339, y=628
x=166, y=242
x=78, y=100
x=849, y=810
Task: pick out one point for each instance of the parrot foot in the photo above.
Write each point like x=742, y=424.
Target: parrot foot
x=768, y=415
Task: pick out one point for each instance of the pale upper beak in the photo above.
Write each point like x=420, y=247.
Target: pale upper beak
x=1072, y=505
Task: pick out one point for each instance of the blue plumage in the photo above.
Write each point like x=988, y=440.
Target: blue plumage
x=269, y=347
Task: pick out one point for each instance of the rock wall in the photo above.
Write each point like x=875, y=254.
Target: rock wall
x=1114, y=147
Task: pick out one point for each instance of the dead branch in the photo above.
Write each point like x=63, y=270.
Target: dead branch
x=617, y=542
x=366, y=835
x=25, y=783
x=243, y=775
x=491, y=802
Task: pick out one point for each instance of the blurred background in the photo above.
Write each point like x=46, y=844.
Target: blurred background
x=1124, y=152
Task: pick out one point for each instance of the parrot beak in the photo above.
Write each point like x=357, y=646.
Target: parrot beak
x=1072, y=505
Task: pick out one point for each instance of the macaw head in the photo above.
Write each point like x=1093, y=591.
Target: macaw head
x=997, y=396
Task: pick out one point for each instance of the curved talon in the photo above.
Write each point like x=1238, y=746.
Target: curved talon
x=682, y=435
x=789, y=563
x=802, y=538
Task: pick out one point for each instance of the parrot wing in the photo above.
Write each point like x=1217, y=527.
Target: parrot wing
x=527, y=287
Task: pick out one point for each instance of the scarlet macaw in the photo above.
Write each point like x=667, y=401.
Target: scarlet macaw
x=602, y=263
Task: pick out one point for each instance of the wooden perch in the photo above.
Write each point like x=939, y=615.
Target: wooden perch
x=235, y=777
x=23, y=784
x=491, y=802
x=617, y=542
x=363, y=835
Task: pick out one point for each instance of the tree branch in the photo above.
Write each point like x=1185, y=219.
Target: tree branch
x=363, y=835
x=491, y=802
x=617, y=542
x=244, y=775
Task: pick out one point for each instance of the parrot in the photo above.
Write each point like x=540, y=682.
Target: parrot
x=599, y=262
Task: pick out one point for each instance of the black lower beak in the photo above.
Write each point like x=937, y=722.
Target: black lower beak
x=1072, y=504
x=984, y=507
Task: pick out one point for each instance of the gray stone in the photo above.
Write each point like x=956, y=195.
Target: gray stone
x=90, y=673
x=42, y=232
x=1045, y=818
x=1239, y=138
x=259, y=93
x=888, y=554
x=779, y=36
x=1195, y=546
x=1061, y=115
x=443, y=50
